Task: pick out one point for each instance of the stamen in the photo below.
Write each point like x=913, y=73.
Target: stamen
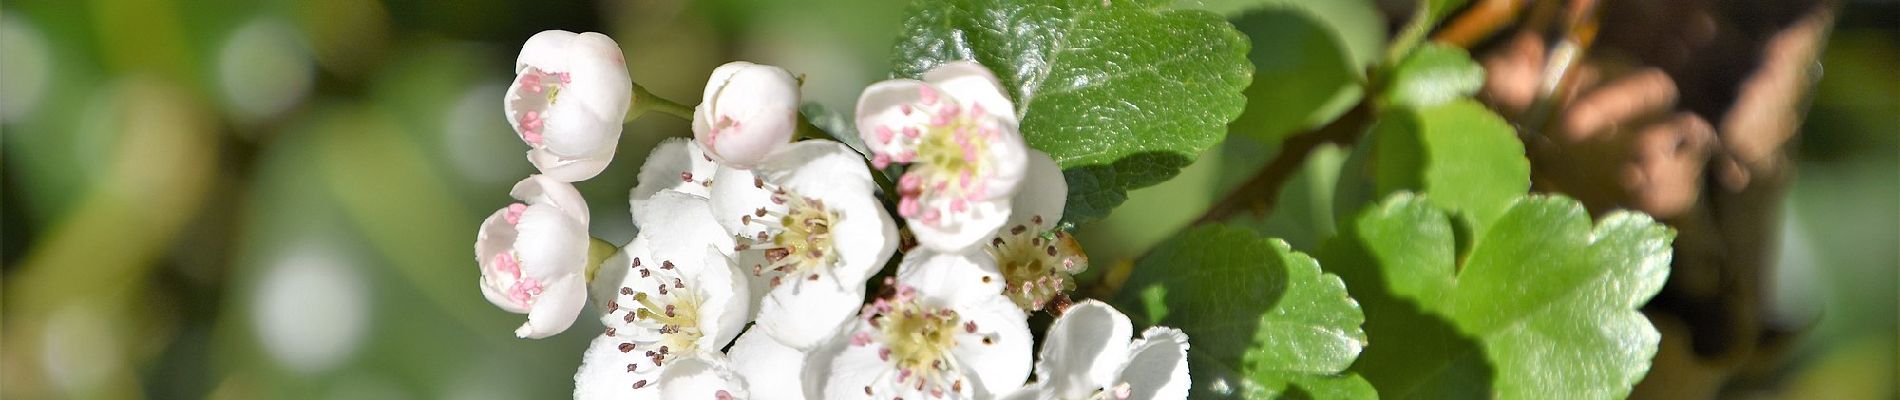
x=1036, y=266
x=917, y=340
x=513, y=215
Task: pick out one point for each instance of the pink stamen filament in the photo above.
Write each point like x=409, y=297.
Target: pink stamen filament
x=952, y=172
x=513, y=215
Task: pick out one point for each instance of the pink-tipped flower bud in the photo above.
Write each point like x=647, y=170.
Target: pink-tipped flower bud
x=748, y=112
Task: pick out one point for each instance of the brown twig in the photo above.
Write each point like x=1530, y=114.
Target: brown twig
x=1260, y=192
x=1479, y=22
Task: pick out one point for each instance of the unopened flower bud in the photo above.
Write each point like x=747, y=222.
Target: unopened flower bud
x=748, y=111
x=568, y=100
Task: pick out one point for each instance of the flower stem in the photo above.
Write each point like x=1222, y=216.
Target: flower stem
x=644, y=101
x=1411, y=34
x=1259, y=193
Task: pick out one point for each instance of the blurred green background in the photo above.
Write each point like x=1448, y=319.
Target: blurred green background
x=278, y=199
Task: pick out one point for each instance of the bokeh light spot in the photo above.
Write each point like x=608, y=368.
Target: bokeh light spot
x=310, y=310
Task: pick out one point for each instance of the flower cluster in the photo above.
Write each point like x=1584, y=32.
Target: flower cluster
x=759, y=266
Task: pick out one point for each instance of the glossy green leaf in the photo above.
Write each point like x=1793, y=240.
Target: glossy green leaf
x=1122, y=94
x=1433, y=74
x=1262, y=319
x=1544, y=306
x=1465, y=158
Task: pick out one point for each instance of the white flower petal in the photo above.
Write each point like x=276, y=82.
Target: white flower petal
x=998, y=359
x=866, y=239
x=708, y=376
x=819, y=362
x=546, y=51
x=1042, y=195
x=802, y=316
x=550, y=244
x=677, y=165
x=736, y=196
x=883, y=104
x=819, y=168
x=982, y=222
x=555, y=309
x=758, y=285
x=576, y=129
x=541, y=189
x=682, y=225
x=1031, y=391
x=1158, y=367
x=951, y=278
x=972, y=84
x=604, y=286
x=603, y=373
x=727, y=301
x=495, y=237
x=600, y=78
x=768, y=365
x=570, y=169
x=1084, y=349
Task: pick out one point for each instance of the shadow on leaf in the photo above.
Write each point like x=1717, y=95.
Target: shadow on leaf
x=1412, y=354
x=1096, y=189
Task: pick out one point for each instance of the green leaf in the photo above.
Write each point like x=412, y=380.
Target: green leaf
x=833, y=124
x=1309, y=59
x=1303, y=77
x=1544, y=306
x=1094, y=190
x=1465, y=158
x=1154, y=214
x=1122, y=93
x=1303, y=214
x=1348, y=386
x=1262, y=319
x=1433, y=74
x=1357, y=25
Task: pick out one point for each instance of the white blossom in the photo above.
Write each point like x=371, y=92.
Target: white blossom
x=568, y=100
x=945, y=331
x=958, y=134
x=1087, y=355
x=533, y=254
x=679, y=298
x=810, y=232
x=748, y=111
